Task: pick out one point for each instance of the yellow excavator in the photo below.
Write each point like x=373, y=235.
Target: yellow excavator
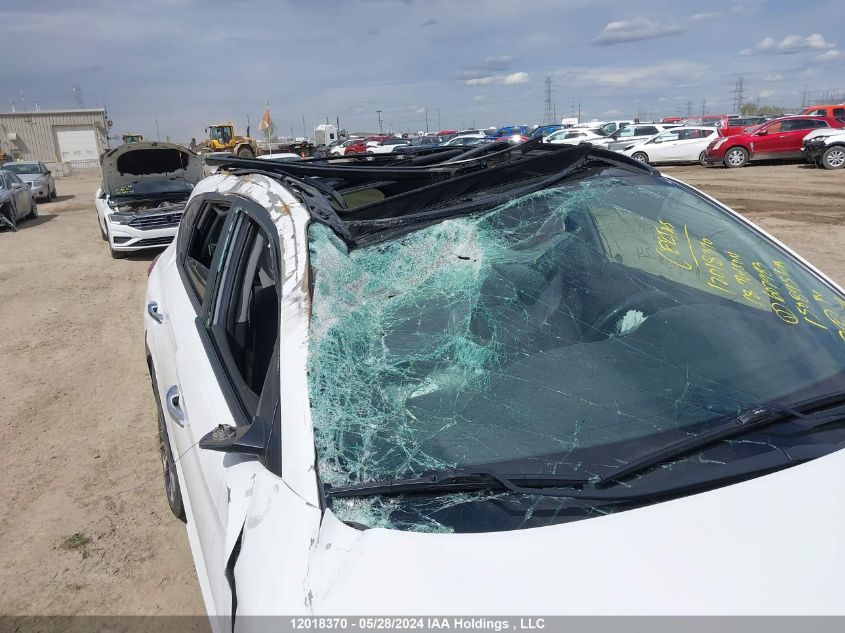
x=222, y=138
x=132, y=137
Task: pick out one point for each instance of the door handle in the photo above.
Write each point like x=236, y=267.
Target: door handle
x=152, y=310
x=174, y=405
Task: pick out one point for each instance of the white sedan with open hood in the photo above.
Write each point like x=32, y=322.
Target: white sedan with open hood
x=145, y=187
x=531, y=379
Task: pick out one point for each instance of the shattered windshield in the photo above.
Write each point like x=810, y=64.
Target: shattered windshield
x=563, y=332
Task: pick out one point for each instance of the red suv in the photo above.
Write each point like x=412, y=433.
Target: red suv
x=780, y=138
x=358, y=147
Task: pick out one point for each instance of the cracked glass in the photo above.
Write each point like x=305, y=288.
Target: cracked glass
x=566, y=332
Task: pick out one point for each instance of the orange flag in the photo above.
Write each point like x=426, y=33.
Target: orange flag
x=265, y=120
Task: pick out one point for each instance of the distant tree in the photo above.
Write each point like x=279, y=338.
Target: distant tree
x=752, y=109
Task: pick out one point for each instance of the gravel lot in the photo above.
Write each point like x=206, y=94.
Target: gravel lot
x=85, y=527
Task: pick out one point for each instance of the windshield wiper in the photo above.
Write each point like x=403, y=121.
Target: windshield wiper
x=562, y=487
x=595, y=488
x=461, y=480
x=750, y=420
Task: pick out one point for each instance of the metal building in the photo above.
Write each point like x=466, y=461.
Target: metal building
x=65, y=139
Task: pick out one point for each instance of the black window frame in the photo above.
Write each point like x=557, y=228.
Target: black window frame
x=187, y=228
x=242, y=403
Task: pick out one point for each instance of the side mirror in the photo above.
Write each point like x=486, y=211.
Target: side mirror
x=48, y=172
x=248, y=440
x=102, y=195
x=762, y=132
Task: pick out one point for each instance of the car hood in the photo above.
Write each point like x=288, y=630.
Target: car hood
x=770, y=545
x=131, y=163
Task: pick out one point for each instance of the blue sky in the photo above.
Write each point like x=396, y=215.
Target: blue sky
x=464, y=62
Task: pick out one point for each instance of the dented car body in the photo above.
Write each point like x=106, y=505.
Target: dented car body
x=145, y=187
x=514, y=381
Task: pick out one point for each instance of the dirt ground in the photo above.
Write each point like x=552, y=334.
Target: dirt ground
x=85, y=527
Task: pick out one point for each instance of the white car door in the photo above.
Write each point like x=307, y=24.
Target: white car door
x=200, y=385
x=192, y=401
x=690, y=144
x=661, y=147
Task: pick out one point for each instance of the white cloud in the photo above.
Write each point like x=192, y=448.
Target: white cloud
x=515, y=78
x=829, y=56
x=773, y=78
x=512, y=79
x=707, y=15
x=479, y=98
x=634, y=30
x=613, y=112
x=789, y=45
x=765, y=94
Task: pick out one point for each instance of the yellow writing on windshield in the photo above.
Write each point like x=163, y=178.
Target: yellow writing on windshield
x=715, y=265
x=774, y=286
x=667, y=245
x=801, y=302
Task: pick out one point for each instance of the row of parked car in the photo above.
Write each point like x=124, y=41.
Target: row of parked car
x=710, y=139
x=818, y=139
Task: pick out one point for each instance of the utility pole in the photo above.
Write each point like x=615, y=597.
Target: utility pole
x=689, y=108
x=303, y=126
x=379, y=120
x=426, y=119
x=738, y=96
x=703, y=106
x=549, y=114
x=579, y=110
x=158, y=133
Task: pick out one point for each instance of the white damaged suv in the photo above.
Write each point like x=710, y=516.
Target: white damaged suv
x=530, y=379
x=825, y=148
x=145, y=187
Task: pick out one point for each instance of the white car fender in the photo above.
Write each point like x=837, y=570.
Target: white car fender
x=279, y=537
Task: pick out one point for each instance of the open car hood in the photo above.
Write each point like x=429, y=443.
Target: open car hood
x=131, y=163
